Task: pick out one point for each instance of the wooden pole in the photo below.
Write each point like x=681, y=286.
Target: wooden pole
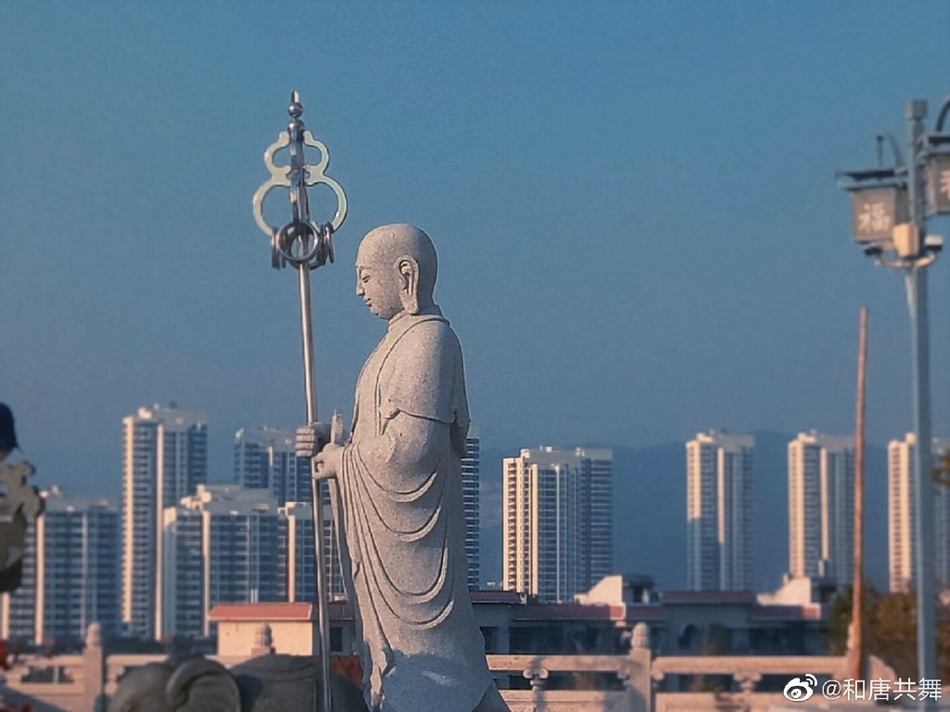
x=856, y=648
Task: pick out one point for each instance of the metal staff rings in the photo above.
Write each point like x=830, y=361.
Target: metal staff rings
x=302, y=240
x=302, y=243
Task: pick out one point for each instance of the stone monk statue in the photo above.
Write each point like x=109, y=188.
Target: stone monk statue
x=398, y=480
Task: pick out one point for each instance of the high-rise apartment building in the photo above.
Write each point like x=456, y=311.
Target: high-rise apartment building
x=821, y=507
x=220, y=545
x=18, y=608
x=71, y=572
x=601, y=507
x=471, y=465
x=232, y=544
x=295, y=553
x=901, y=516
x=165, y=459
x=265, y=458
x=555, y=509
x=719, y=514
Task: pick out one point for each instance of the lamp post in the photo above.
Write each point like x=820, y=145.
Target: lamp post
x=890, y=207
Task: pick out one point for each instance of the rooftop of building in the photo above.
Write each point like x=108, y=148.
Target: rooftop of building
x=56, y=500
x=266, y=435
x=553, y=455
x=526, y=608
x=170, y=415
x=230, y=499
x=278, y=611
x=723, y=438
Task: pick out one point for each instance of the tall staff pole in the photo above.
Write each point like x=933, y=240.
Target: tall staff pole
x=306, y=245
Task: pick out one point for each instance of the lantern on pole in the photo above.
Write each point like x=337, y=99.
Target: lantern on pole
x=938, y=182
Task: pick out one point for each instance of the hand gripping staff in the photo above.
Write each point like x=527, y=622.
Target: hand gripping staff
x=306, y=245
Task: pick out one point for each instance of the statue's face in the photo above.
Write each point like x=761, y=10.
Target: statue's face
x=379, y=286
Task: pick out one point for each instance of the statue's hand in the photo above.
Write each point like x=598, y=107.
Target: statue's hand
x=329, y=461
x=311, y=439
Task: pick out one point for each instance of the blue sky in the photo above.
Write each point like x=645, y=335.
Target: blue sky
x=634, y=205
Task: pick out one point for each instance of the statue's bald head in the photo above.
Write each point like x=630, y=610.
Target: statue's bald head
x=407, y=254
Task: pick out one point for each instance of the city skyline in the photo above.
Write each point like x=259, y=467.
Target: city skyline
x=583, y=259
x=193, y=530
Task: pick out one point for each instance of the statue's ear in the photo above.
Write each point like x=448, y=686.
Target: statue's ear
x=408, y=269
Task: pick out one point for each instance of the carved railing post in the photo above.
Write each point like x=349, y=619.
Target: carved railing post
x=636, y=675
x=536, y=677
x=94, y=670
x=747, y=681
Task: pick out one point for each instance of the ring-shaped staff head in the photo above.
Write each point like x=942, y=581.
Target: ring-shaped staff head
x=302, y=243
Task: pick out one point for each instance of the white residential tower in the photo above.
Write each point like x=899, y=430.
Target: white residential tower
x=557, y=521
x=901, y=517
x=821, y=507
x=165, y=459
x=719, y=514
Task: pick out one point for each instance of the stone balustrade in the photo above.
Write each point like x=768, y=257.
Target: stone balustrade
x=635, y=682
x=569, y=683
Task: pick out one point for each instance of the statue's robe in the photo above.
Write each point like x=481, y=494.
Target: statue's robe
x=404, y=525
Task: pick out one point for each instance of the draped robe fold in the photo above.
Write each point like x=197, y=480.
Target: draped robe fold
x=404, y=526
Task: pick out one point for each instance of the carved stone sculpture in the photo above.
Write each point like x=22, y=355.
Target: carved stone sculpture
x=267, y=683
x=20, y=505
x=289, y=683
x=399, y=487
x=183, y=685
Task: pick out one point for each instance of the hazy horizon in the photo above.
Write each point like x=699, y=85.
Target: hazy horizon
x=634, y=205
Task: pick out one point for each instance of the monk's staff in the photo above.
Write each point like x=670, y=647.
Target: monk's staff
x=306, y=245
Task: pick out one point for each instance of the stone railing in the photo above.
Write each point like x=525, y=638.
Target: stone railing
x=74, y=683
x=62, y=682
x=742, y=673
x=565, y=683
x=635, y=682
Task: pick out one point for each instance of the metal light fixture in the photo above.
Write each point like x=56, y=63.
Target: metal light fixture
x=889, y=221
x=876, y=209
x=938, y=181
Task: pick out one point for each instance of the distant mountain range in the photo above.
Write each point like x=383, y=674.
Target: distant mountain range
x=650, y=511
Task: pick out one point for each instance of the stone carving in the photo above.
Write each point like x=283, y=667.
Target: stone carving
x=177, y=685
x=267, y=683
x=20, y=505
x=264, y=640
x=398, y=486
x=288, y=683
x=640, y=639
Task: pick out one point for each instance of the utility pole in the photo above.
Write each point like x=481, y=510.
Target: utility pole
x=856, y=648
